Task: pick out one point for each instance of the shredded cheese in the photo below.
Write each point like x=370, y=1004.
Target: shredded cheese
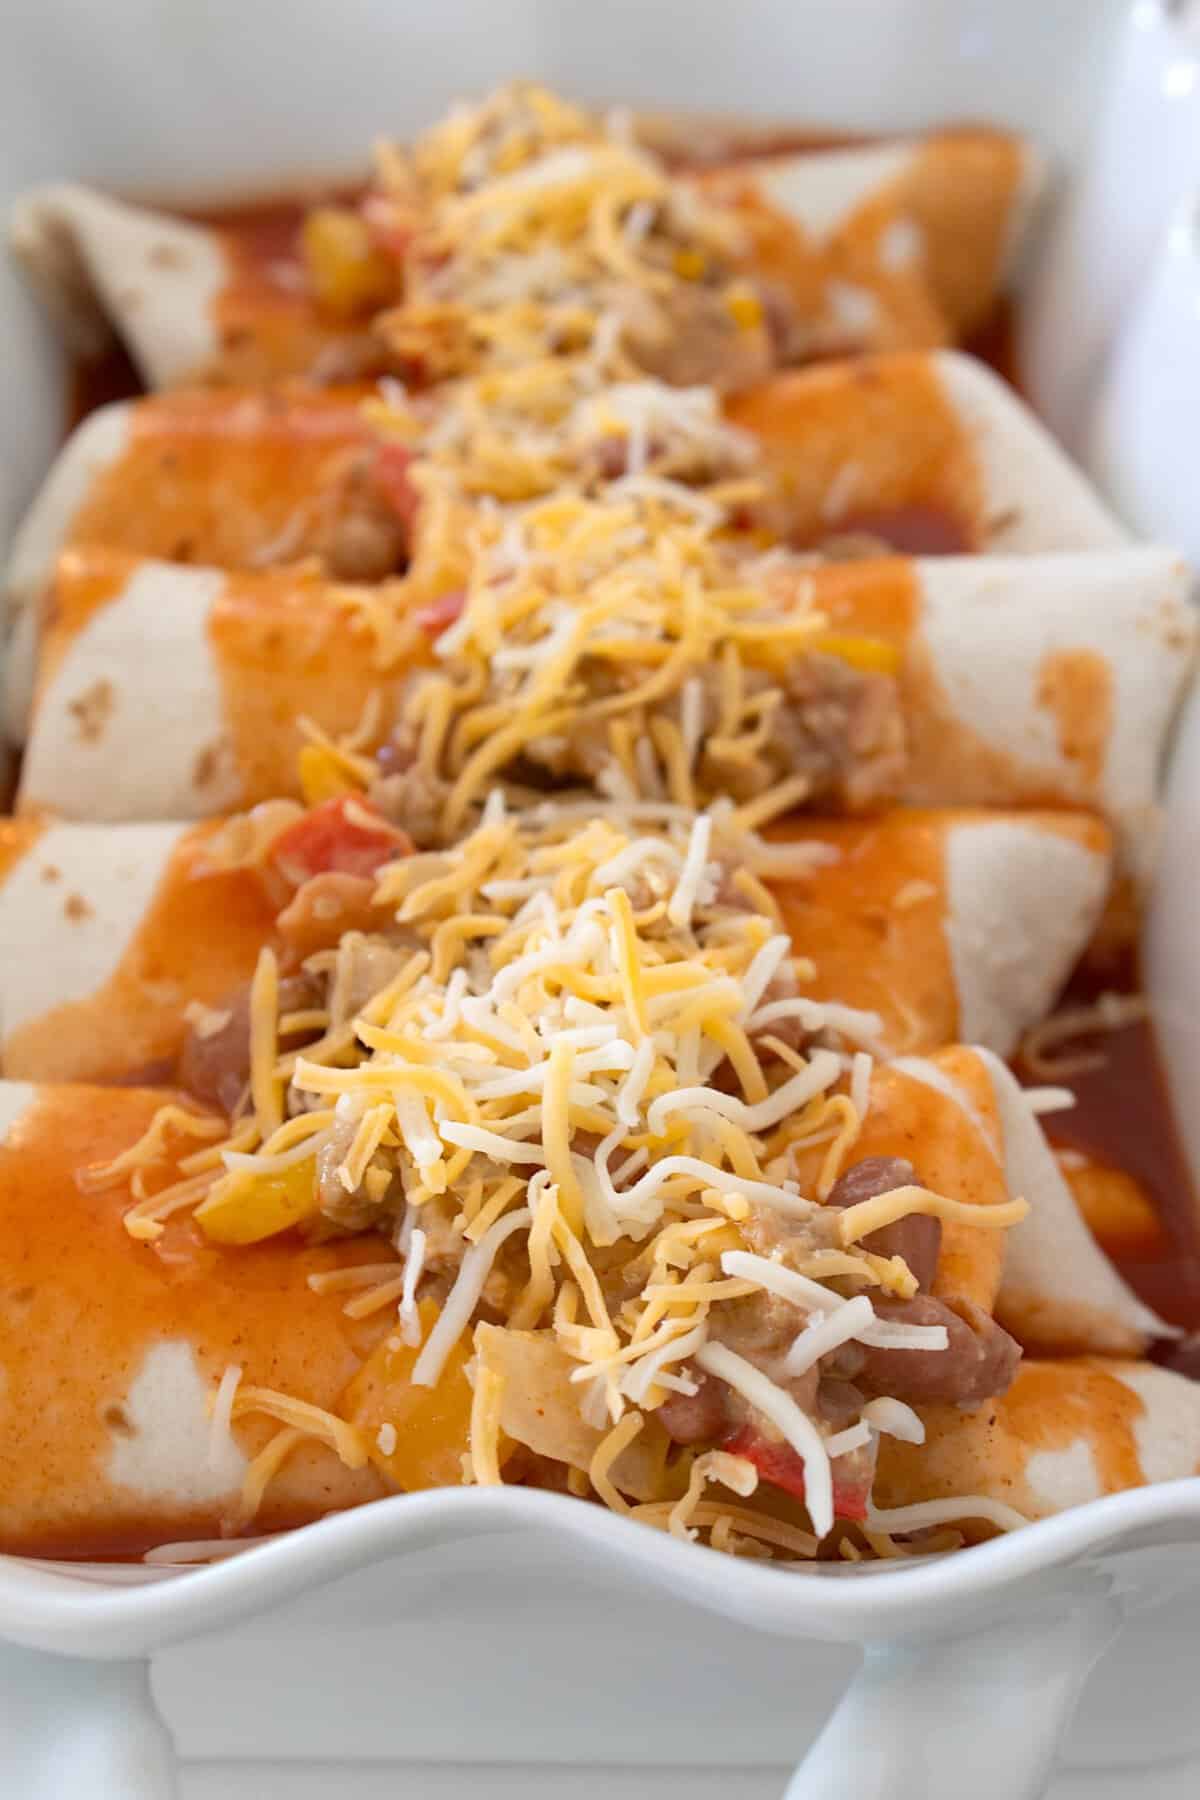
x=485, y=1427
x=1109, y=1012
x=220, y=1435
x=606, y=1454
x=775, y=1404
x=884, y=1209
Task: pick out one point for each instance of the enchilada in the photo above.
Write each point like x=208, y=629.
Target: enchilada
x=924, y=454
x=717, y=276
x=173, y=692
x=936, y=926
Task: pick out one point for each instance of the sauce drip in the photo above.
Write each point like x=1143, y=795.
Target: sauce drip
x=1123, y=1117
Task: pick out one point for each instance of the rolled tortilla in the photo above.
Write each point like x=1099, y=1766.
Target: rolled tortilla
x=1042, y=681
x=107, y=935
x=205, y=476
x=170, y=692
x=109, y=932
x=190, y=302
x=890, y=245
x=930, y=452
x=1059, y=1293
x=949, y=925
x=111, y=1349
x=1064, y=1433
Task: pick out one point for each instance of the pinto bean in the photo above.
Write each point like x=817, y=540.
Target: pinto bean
x=366, y=545
x=979, y=1362
x=214, y=1065
x=700, y=1418
x=917, y=1238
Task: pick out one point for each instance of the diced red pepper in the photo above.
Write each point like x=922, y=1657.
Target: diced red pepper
x=781, y=1467
x=392, y=463
x=441, y=613
x=338, y=836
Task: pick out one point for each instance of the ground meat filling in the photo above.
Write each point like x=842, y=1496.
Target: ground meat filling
x=364, y=538
x=691, y=337
x=840, y=728
x=406, y=794
x=978, y=1363
x=213, y=1065
x=837, y=726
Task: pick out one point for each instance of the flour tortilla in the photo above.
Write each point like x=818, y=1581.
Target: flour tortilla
x=1059, y=1292
x=109, y=932
x=937, y=433
x=1066, y=1432
x=137, y=716
x=943, y=216
x=115, y=1351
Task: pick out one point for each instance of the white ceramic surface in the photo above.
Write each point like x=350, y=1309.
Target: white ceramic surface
x=1142, y=157
x=1149, y=390
x=208, y=1780
x=505, y=1625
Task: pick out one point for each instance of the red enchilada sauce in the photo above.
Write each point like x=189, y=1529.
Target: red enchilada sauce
x=1123, y=1120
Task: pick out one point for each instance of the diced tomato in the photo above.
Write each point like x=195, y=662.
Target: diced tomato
x=337, y=836
x=779, y=1465
x=441, y=613
x=850, y=1498
x=392, y=463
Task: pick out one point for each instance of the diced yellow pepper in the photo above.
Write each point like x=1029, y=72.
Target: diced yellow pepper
x=745, y=308
x=690, y=265
x=432, y=1425
x=870, y=654
x=244, y=1209
x=347, y=273
x=320, y=777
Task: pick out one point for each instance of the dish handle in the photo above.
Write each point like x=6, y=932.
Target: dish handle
x=989, y=1709
x=87, y=1729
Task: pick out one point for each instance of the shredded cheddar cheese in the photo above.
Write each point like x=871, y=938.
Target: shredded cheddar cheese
x=485, y=1428
x=871, y=1215
x=558, y=1095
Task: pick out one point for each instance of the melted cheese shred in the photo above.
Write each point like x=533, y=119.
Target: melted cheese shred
x=485, y=1427
x=860, y=1221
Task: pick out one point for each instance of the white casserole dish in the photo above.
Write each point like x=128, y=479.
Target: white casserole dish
x=575, y=1635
